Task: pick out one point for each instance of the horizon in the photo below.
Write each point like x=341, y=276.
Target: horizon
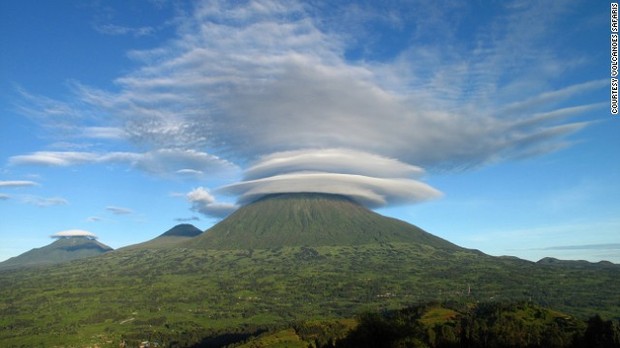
x=487, y=125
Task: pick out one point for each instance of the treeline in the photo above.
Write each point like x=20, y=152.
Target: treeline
x=481, y=325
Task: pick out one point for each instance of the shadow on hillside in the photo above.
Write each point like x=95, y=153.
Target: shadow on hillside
x=226, y=339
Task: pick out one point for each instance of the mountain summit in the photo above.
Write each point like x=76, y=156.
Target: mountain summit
x=182, y=230
x=310, y=219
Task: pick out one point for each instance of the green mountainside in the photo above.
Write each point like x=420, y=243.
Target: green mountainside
x=241, y=278
x=310, y=220
x=61, y=250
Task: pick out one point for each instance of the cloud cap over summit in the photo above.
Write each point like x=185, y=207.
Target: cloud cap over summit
x=371, y=180
x=74, y=233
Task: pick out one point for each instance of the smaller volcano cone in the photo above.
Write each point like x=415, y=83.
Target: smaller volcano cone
x=170, y=238
x=62, y=250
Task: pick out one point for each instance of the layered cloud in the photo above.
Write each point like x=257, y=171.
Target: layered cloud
x=74, y=233
x=371, y=180
x=340, y=161
x=306, y=98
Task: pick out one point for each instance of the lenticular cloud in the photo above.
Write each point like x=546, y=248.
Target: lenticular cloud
x=368, y=179
x=74, y=233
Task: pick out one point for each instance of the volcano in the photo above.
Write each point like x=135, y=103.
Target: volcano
x=310, y=219
x=170, y=238
x=60, y=251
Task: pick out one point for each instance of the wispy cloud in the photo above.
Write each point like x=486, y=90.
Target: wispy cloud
x=279, y=83
x=44, y=202
x=193, y=218
x=119, y=210
x=113, y=29
x=4, y=197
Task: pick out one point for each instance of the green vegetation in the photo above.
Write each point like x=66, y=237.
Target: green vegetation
x=481, y=325
x=452, y=324
x=219, y=290
x=185, y=295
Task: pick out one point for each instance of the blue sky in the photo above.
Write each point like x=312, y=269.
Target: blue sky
x=486, y=123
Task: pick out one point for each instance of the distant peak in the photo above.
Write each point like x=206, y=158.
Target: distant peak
x=182, y=230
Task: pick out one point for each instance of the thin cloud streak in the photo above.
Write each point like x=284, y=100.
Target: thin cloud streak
x=119, y=210
x=162, y=161
x=17, y=183
x=43, y=202
x=611, y=246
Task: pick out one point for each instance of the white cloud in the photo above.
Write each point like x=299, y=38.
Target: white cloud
x=118, y=210
x=205, y=203
x=17, y=183
x=74, y=233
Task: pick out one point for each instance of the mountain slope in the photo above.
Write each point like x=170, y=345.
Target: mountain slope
x=310, y=220
x=62, y=250
x=175, y=235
